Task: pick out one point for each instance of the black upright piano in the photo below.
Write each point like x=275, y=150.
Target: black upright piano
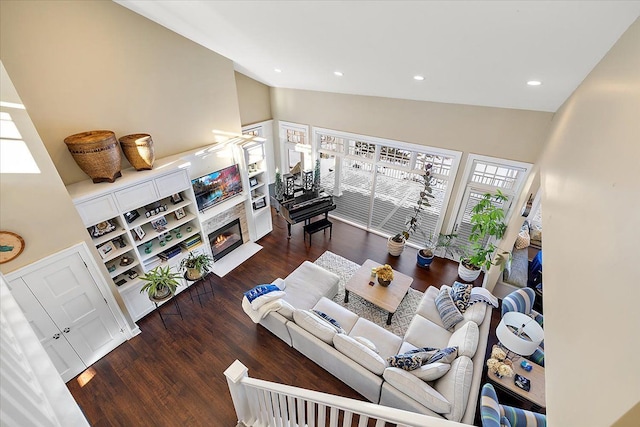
x=303, y=207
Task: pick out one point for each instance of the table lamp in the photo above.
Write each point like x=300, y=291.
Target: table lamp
x=519, y=333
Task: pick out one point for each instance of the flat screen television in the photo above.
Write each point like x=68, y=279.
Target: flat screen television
x=217, y=186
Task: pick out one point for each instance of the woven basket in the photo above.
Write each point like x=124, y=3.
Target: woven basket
x=97, y=153
x=138, y=149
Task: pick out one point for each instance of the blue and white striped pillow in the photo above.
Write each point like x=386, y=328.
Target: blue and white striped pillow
x=449, y=313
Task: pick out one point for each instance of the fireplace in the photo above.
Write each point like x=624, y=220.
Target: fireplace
x=225, y=239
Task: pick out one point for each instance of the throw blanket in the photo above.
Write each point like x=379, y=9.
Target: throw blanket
x=482, y=295
x=260, y=313
x=263, y=299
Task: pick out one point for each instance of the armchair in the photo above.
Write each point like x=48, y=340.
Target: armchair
x=522, y=301
x=493, y=414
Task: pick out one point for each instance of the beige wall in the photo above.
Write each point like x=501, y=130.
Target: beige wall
x=254, y=99
x=591, y=197
x=83, y=65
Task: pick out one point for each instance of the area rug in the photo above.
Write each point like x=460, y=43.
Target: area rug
x=345, y=269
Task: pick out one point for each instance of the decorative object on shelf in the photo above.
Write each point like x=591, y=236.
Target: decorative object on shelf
x=97, y=153
x=111, y=268
x=316, y=175
x=179, y=213
x=195, y=266
x=148, y=247
x=160, y=283
x=102, y=228
x=253, y=181
x=289, y=185
x=486, y=222
x=307, y=180
x=189, y=229
x=498, y=364
x=131, y=216
x=279, y=187
x=125, y=260
x=139, y=233
x=159, y=224
x=138, y=149
x=176, y=198
x=11, y=245
x=106, y=248
x=119, y=242
x=385, y=274
x=178, y=232
x=260, y=203
x=526, y=366
x=120, y=281
x=132, y=274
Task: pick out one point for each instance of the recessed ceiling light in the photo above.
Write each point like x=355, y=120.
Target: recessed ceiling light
x=277, y=70
x=419, y=78
x=338, y=73
x=534, y=82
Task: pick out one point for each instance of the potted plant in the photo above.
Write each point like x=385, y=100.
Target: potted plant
x=395, y=244
x=385, y=274
x=161, y=283
x=425, y=256
x=196, y=266
x=487, y=220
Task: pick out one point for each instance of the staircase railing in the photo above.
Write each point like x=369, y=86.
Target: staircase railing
x=262, y=403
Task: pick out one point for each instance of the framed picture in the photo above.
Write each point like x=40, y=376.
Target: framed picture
x=131, y=216
x=259, y=204
x=180, y=213
x=139, y=233
x=106, y=249
x=253, y=182
x=159, y=224
x=176, y=198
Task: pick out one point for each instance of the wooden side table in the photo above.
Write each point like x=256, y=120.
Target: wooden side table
x=535, y=396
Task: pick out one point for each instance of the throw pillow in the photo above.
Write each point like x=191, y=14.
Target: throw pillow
x=330, y=320
x=460, y=293
x=432, y=371
x=408, y=362
x=446, y=355
x=448, y=311
x=483, y=295
x=259, y=291
x=523, y=240
x=367, y=343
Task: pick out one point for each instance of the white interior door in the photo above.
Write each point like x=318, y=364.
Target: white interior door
x=68, y=293
x=63, y=356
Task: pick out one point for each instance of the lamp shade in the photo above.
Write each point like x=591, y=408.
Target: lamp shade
x=519, y=333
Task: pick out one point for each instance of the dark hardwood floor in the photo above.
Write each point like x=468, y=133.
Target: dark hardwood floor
x=174, y=377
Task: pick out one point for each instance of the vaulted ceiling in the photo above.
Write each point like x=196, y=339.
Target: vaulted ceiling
x=468, y=52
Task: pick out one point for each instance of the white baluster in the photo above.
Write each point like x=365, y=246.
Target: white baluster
x=333, y=421
x=322, y=415
x=364, y=421
x=346, y=419
x=311, y=414
x=300, y=416
x=283, y=411
x=291, y=404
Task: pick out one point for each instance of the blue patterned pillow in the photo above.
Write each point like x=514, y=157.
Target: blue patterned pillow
x=330, y=320
x=460, y=293
x=449, y=313
x=446, y=355
x=408, y=362
x=259, y=291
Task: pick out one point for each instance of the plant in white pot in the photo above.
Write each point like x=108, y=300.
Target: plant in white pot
x=196, y=266
x=160, y=283
x=487, y=220
x=395, y=244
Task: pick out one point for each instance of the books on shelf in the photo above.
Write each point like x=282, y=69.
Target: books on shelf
x=170, y=253
x=151, y=263
x=191, y=242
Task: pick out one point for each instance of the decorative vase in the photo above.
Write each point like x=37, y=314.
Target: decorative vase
x=384, y=283
x=467, y=274
x=138, y=149
x=395, y=248
x=193, y=274
x=97, y=153
x=423, y=261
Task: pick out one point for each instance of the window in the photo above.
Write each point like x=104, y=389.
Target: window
x=296, y=147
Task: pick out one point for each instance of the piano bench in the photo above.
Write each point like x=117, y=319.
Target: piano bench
x=316, y=226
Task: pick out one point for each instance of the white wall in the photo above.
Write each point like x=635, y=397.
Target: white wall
x=590, y=176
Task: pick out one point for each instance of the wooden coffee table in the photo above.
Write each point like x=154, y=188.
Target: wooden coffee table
x=535, y=395
x=388, y=298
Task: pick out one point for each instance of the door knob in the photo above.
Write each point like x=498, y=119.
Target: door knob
x=56, y=336
x=66, y=330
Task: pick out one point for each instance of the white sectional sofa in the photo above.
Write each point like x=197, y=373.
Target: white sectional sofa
x=348, y=356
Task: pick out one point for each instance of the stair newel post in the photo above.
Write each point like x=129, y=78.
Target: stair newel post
x=235, y=374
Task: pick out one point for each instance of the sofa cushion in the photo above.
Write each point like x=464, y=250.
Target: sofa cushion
x=417, y=389
x=308, y=283
x=314, y=325
x=455, y=385
x=448, y=311
x=474, y=313
x=367, y=343
x=344, y=317
x=286, y=310
x=330, y=320
x=431, y=371
x=359, y=353
x=425, y=333
x=386, y=342
x=427, y=307
x=466, y=339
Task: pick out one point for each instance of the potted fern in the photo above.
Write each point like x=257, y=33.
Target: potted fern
x=487, y=220
x=196, y=266
x=160, y=283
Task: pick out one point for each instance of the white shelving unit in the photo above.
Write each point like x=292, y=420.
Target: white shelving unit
x=133, y=248
x=258, y=183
